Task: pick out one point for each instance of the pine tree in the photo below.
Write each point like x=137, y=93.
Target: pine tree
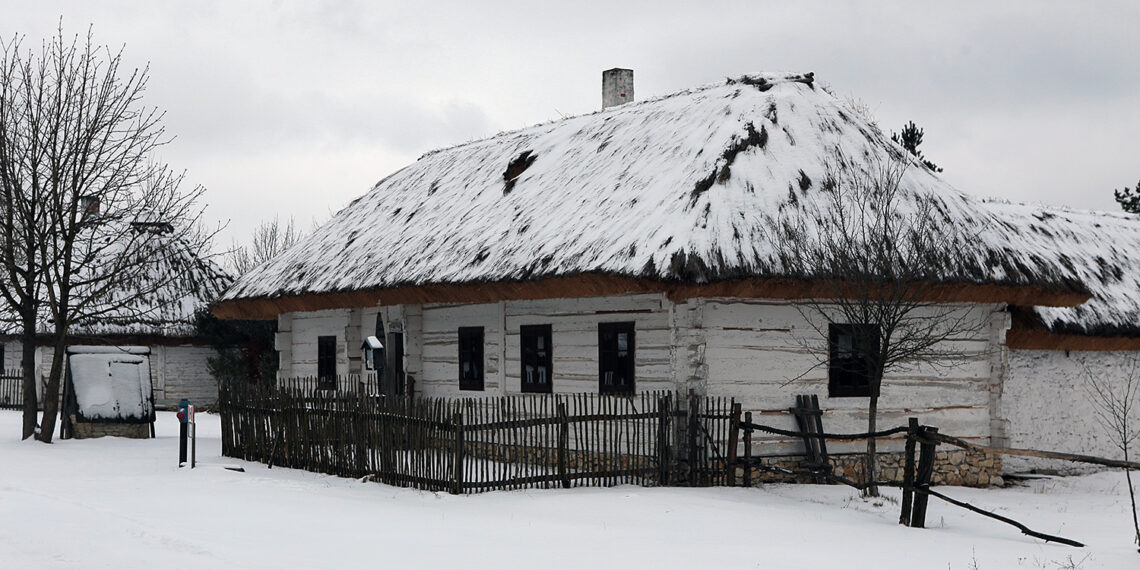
x=910, y=138
x=1129, y=199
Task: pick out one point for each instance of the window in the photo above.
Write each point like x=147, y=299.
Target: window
x=470, y=358
x=615, y=358
x=849, y=359
x=326, y=362
x=536, y=369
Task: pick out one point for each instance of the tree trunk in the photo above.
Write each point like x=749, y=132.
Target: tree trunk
x=1132, y=495
x=870, y=461
x=51, y=391
x=28, y=363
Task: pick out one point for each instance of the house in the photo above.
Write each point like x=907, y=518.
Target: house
x=634, y=249
x=157, y=327
x=1053, y=351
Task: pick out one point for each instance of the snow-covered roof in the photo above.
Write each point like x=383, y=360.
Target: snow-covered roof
x=687, y=188
x=159, y=301
x=1101, y=249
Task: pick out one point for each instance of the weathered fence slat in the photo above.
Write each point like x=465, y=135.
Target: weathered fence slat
x=479, y=444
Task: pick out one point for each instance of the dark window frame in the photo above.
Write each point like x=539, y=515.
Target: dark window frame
x=620, y=367
x=848, y=366
x=541, y=335
x=326, y=362
x=471, y=352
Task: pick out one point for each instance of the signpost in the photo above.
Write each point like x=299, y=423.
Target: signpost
x=187, y=427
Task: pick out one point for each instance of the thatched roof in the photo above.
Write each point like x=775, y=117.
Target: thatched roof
x=1101, y=249
x=161, y=298
x=686, y=188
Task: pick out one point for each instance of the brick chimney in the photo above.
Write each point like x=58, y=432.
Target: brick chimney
x=617, y=87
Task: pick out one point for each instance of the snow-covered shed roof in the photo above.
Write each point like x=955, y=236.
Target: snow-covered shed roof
x=687, y=188
x=1102, y=249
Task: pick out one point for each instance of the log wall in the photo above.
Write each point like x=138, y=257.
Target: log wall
x=762, y=353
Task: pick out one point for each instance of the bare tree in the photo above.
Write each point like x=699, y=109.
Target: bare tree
x=1119, y=407
x=111, y=216
x=269, y=239
x=23, y=157
x=870, y=262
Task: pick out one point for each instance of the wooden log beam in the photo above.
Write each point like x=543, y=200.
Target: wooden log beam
x=1036, y=453
x=839, y=436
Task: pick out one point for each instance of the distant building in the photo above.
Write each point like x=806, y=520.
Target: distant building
x=160, y=331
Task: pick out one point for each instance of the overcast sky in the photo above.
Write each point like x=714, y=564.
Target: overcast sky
x=295, y=108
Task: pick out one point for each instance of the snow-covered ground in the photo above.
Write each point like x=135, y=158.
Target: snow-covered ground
x=117, y=503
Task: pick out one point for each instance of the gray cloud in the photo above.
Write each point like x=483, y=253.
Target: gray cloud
x=297, y=107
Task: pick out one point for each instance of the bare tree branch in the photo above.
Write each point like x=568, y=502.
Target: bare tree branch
x=98, y=228
x=872, y=260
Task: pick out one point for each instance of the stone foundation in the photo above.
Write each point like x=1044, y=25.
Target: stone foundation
x=951, y=467
x=87, y=430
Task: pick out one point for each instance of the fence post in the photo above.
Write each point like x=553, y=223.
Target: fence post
x=748, y=450
x=691, y=440
x=665, y=410
x=908, y=472
x=733, y=435
x=563, y=443
x=457, y=455
x=359, y=432
x=922, y=478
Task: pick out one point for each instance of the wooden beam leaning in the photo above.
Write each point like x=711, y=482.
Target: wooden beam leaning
x=1024, y=529
x=733, y=437
x=908, y=472
x=923, y=476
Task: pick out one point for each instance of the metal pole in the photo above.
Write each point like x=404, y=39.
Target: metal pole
x=193, y=444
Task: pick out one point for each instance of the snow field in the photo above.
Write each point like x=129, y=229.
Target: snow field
x=117, y=503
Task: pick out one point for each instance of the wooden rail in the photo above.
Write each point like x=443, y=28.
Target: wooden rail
x=1037, y=453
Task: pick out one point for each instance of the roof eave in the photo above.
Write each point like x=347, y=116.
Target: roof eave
x=600, y=285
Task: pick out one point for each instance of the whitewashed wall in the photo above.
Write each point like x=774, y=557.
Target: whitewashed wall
x=762, y=353
x=12, y=355
x=181, y=372
x=176, y=372
x=1047, y=405
x=574, y=332
x=765, y=353
x=296, y=339
x=297, y=334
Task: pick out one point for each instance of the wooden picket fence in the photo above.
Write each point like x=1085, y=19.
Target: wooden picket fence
x=11, y=389
x=472, y=445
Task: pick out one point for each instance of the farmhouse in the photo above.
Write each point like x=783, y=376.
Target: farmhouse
x=156, y=333
x=1053, y=351
x=636, y=249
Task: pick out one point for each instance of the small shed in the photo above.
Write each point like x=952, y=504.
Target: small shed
x=108, y=392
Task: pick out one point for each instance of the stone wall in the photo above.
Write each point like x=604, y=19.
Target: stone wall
x=951, y=467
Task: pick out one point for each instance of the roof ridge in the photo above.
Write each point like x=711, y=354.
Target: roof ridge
x=762, y=80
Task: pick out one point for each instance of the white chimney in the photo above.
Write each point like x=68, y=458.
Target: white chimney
x=617, y=87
